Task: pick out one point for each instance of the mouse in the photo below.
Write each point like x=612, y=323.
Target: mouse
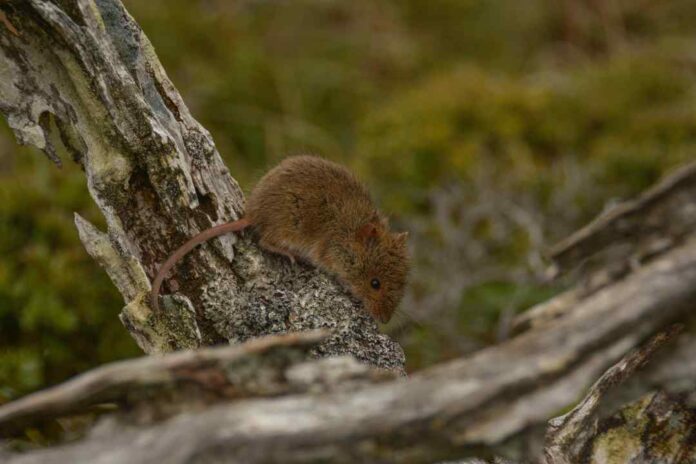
x=311, y=209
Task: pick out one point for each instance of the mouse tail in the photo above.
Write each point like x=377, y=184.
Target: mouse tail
x=183, y=250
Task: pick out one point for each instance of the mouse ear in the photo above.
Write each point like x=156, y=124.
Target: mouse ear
x=367, y=233
x=379, y=220
x=401, y=238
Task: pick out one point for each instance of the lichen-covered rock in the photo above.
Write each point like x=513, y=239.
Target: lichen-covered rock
x=268, y=295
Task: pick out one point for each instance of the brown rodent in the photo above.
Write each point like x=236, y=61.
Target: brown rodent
x=312, y=209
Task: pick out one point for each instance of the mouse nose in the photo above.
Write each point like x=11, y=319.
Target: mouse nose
x=384, y=318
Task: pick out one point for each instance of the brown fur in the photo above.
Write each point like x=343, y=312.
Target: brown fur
x=316, y=210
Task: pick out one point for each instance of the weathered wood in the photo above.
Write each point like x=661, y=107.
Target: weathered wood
x=255, y=368
x=464, y=407
x=618, y=241
x=570, y=437
x=85, y=70
x=636, y=229
x=656, y=428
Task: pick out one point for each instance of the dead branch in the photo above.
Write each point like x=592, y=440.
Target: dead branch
x=639, y=228
x=249, y=369
x=620, y=240
x=464, y=407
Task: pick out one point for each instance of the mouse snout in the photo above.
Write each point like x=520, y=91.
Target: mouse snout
x=378, y=314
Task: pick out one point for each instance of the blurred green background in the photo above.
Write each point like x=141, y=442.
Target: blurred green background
x=488, y=128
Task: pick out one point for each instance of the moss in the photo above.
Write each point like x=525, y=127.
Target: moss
x=616, y=446
x=639, y=431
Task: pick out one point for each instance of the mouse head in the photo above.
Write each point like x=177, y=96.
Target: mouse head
x=381, y=268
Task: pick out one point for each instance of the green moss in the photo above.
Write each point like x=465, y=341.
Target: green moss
x=616, y=446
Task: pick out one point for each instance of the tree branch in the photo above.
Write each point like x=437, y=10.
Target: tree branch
x=464, y=407
x=657, y=219
x=238, y=371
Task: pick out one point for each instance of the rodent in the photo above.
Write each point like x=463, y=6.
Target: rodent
x=315, y=210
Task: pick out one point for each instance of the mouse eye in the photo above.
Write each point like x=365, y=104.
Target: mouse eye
x=375, y=284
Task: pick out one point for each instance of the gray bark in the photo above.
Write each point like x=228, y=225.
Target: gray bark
x=634, y=230
x=619, y=241
x=464, y=407
x=85, y=70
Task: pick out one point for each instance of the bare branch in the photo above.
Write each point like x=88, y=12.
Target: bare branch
x=655, y=220
x=620, y=240
x=458, y=408
x=213, y=370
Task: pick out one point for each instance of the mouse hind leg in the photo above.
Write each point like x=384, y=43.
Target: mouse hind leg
x=273, y=248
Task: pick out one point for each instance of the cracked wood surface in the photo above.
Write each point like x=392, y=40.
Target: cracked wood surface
x=254, y=368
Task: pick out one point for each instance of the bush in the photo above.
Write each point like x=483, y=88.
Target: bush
x=58, y=309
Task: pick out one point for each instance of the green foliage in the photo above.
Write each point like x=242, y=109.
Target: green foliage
x=58, y=310
x=472, y=324
x=624, y=119
x=271, y=78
